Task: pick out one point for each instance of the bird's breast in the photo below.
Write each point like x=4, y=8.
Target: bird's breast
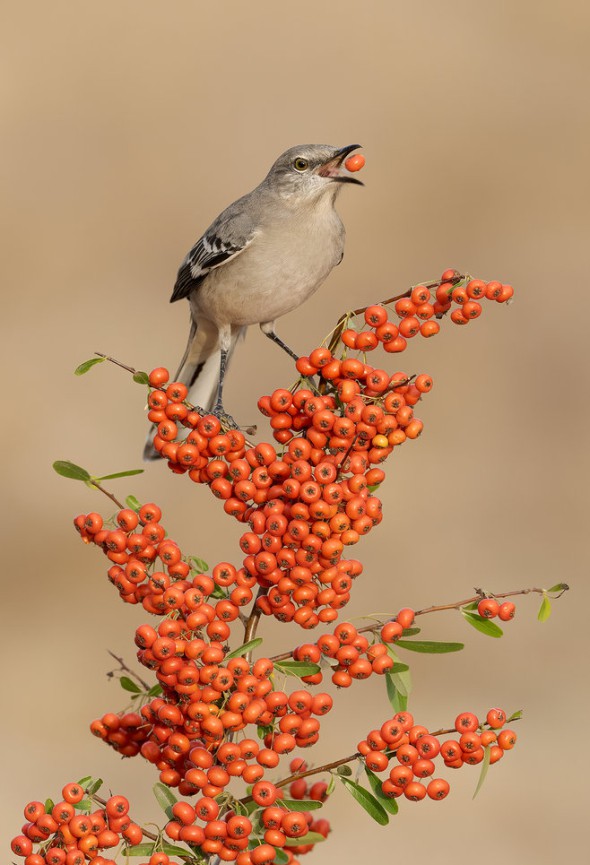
x=285, y=264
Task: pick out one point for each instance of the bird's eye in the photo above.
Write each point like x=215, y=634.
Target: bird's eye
x=300, y=164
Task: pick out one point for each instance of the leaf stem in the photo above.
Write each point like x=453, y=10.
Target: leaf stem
x=105, y=492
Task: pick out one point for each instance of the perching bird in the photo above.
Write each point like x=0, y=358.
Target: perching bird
x=262, y=257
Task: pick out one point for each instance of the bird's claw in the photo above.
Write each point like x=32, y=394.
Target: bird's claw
x=225, y=419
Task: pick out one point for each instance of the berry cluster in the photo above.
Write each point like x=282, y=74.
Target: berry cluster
x=188, y=733
x=416, y=311
x=230, y=836
x=307, y=504
x=303, y=500
x=413, y=749
x=70, y=835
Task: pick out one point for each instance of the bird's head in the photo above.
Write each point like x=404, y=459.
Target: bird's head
x=311, y=171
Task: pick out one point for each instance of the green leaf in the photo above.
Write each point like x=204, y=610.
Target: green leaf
x=410, y=632
x=129, y=685
x=544, y=610
x=88, y=364
x=373, y=487
x=559, y=587
x=515, y=716
x=244, y=649
x=402, y=680
x=281, y=857
x=132, y=503
x=470, y=607
x=70, y=470
x=141, y=377
x=155, y=691
x=198, y=564
x=49, y=806
x=485, y=765
x=86, y=805
x=173, y=850
x=126, y=474
x=301, y=804
x=165, y=798
x=296, y=668
x=399, y=702
x=346, y=771
x=399, y=668
x=429, y=646
x=375, y=782
x=94, y=785
x=485, y=626
x=143, y=850
x=331, y=785
x=85, y=780
x=367, y=801
x=263, y=730
x=308, y=838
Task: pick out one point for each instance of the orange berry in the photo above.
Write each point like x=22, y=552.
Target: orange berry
x=438, y=788
x=507, y=740
x=496, y=718
x=429, y=328
x=506, y=611
x=158, y=376
x=355, y=162
x=488, y=608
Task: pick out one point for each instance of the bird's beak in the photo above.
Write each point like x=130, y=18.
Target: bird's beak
x=335, y=169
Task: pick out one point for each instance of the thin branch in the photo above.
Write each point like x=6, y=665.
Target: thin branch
x=253, y=620
x=344, y=318
x=477, y=598
x=441, y=607
x=329, y=767
x=125, y=669
x=249, y=430
x=117, y=362
x=109, y=495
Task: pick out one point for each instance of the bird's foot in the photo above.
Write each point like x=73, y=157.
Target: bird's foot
x=225, y=419
x=228, y=422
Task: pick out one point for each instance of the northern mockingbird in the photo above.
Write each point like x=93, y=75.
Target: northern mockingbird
x=263, y=256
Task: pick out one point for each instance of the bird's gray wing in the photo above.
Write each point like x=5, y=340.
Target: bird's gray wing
x=226, y=238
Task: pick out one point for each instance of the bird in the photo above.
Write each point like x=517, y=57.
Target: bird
x=261, y=258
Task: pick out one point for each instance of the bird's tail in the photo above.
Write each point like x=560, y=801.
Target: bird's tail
x=198, y=370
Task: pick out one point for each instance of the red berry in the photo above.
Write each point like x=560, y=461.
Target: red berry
x=488, y=608
x=506, y=611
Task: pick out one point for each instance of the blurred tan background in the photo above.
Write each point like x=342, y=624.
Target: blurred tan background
x=126, y=127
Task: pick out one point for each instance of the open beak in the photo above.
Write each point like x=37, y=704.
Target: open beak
x=335, y=169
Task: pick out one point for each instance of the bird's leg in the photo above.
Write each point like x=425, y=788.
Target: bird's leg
x=268, y=329
x=218, y=409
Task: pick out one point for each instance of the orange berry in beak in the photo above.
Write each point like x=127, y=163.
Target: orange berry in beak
x=355, y=163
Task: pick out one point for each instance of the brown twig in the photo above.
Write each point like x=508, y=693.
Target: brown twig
x=253, y=620
x=117, y=362
x=249, y=430
x=109, y=495
x=441, y=607
x=344, y=318
x=329, y=767
x=125, y=669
